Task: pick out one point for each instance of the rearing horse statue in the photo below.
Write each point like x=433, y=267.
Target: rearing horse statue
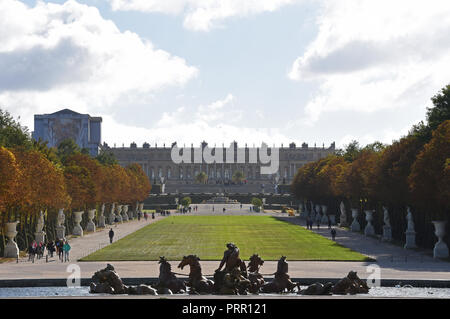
x=197, y=282
x=256, y=279
x=167, y=279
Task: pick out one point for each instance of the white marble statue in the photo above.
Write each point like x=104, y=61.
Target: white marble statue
x=410, y=232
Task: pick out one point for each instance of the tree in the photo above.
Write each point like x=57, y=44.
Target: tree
x=429, y=180
x=186, y=201
x=351, y=151
x=67, y=148
x=95, y=173
x=9, y=178
x=106, y=158
x=42, y=183
x=238, y=177
x=12, y=133
x=394, y=168
x=201, y=178
x=357, y=182
x=80, y=187
x=441, y=110
x=140, y=184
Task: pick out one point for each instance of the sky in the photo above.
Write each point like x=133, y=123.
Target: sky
x=251, y=71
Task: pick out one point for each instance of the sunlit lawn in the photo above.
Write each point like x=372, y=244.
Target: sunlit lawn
x=206, y=236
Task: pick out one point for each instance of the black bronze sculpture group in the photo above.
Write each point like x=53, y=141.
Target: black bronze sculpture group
x=235, y=279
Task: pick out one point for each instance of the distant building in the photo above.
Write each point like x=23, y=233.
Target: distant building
x=157, y=163
x=84, y=129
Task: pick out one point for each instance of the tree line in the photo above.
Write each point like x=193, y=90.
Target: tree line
x=35, y=177
x=413, y=171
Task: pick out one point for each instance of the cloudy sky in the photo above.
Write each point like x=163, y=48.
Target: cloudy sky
x=278, y=71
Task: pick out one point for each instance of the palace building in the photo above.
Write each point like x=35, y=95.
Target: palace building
x=157, y=163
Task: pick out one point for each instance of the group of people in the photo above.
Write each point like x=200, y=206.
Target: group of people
x=60, y=246
x=309, y=225
x=35, y=250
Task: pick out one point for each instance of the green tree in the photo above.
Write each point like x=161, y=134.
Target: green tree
x=12, y=134
x=186, y=201
x=67, y=148
x=201, y=178
x=106, y=158
x=350, y=152
x=238, y=177
x=429, y=174
x=441, y=110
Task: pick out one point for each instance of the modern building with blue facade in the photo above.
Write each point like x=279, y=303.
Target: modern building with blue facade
x=54, y=128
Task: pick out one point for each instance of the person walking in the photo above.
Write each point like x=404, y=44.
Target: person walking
x=111, y=235
x=66, y=249
x=329, y=223
x=333, y=234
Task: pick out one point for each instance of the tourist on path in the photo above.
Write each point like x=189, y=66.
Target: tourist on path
x=333, y=234
x=111, y=235
x=66, y=249
x=329, y=223
x=51, y=248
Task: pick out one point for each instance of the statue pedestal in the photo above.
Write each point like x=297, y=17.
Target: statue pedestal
x=410, y=239
x=355, y=227
x=332, y=219
x=369, y=230
x=90, y=227
x=387, y=234
x=101, y=221
x=78, y=230
x=111, y=218
x=11, y=250
x=440, y=248
x=61, y=232
x=39, y=237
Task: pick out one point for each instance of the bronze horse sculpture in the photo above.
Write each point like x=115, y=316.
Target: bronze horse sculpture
x=233, y=279
x=108, y=281
x=197, y=282
x=256, y=279
x=282, y=281
x=168, y=280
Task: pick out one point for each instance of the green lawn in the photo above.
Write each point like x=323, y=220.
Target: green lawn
x=206, y=236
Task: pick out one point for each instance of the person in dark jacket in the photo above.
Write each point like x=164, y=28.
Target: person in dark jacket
x=111, y=236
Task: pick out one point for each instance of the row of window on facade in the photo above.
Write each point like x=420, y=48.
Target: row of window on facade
x=183, y=173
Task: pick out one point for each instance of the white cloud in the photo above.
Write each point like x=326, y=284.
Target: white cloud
x=202, y=15
x=371, y=55
x=68, y=55
x=218, y=122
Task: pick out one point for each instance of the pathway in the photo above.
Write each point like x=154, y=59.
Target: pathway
x=395, y=262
